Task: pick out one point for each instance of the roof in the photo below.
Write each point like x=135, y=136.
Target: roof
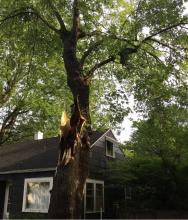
x=35, y=154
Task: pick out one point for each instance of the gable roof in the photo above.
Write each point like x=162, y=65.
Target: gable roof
x=96, y=136
x=34, y=155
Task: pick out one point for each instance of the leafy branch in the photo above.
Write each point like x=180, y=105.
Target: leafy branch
x=9, y=122
x=99, y=65
x=58, y=16
x=165, y=30
x=90, y=49
x=28, y=11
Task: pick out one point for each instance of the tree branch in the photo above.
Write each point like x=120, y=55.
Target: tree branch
x=179, y=53
x=58, y=16
x=90, y=34
x=10, y=86
x=29, y=11
x=154, y=56
x=112, y=36
x=8, y=122
x=76, y=31
x=99, y=65
x=90, y=49
x=164, y=30
x=75, y=19
x=167, y=45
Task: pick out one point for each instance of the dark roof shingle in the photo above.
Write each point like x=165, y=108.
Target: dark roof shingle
x=35, y=154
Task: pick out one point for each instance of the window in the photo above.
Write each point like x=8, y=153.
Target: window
x=90, y=197
x=94, y=196
x=99, y=196
x=109, y=148
x=36, y=195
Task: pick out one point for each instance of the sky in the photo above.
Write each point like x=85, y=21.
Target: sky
x=126, y=127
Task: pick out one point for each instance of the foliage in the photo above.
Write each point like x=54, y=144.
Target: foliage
x=29, y=101
x=140, y=35
x=152, y=187
x=155, y=164
x=134, y=47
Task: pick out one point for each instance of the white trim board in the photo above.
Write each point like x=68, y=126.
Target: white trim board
x=111, y=139
x=5, y=213
x=113, y=150
x=99, y=138
x=29, y=170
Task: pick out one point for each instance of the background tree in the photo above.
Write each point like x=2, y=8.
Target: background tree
x=95, y=38
x=156, y=163
x=156, y=155
x=29, y=101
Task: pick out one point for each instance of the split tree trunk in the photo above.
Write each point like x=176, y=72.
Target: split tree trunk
x=69, y=181
x=68, y=186
x=72, y=172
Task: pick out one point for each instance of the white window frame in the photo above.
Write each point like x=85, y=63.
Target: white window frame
x=114, y=143
x=28, y=180
x=94, y=183
x=6, y=201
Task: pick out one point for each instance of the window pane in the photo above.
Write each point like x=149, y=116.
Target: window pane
x=109, y=146
x=99, y=196
x=38, y=195
x=89, y=197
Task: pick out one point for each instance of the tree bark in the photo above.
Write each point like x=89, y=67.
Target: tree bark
x=72, y=168
x=68, y=186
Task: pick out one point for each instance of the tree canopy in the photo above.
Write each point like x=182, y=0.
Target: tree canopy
x=120, y=43
x=155, y=165
x=29, y=101
x=138, y=47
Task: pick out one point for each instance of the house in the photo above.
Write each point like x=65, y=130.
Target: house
x=27, y=170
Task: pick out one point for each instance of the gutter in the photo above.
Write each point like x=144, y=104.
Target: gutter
x=29, y=170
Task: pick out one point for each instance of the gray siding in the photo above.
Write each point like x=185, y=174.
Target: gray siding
x=118, y=152
x=98, y=163
x=2, y=197
x=16, y=194
x=98, y=158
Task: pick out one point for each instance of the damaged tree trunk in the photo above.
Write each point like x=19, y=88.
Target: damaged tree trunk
x=72, y=168
x=69, y=182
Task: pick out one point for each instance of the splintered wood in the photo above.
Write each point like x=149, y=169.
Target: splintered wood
x=70, y=131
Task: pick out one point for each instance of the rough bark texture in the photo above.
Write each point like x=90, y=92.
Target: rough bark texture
x=72, y=168
x=69, y=182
